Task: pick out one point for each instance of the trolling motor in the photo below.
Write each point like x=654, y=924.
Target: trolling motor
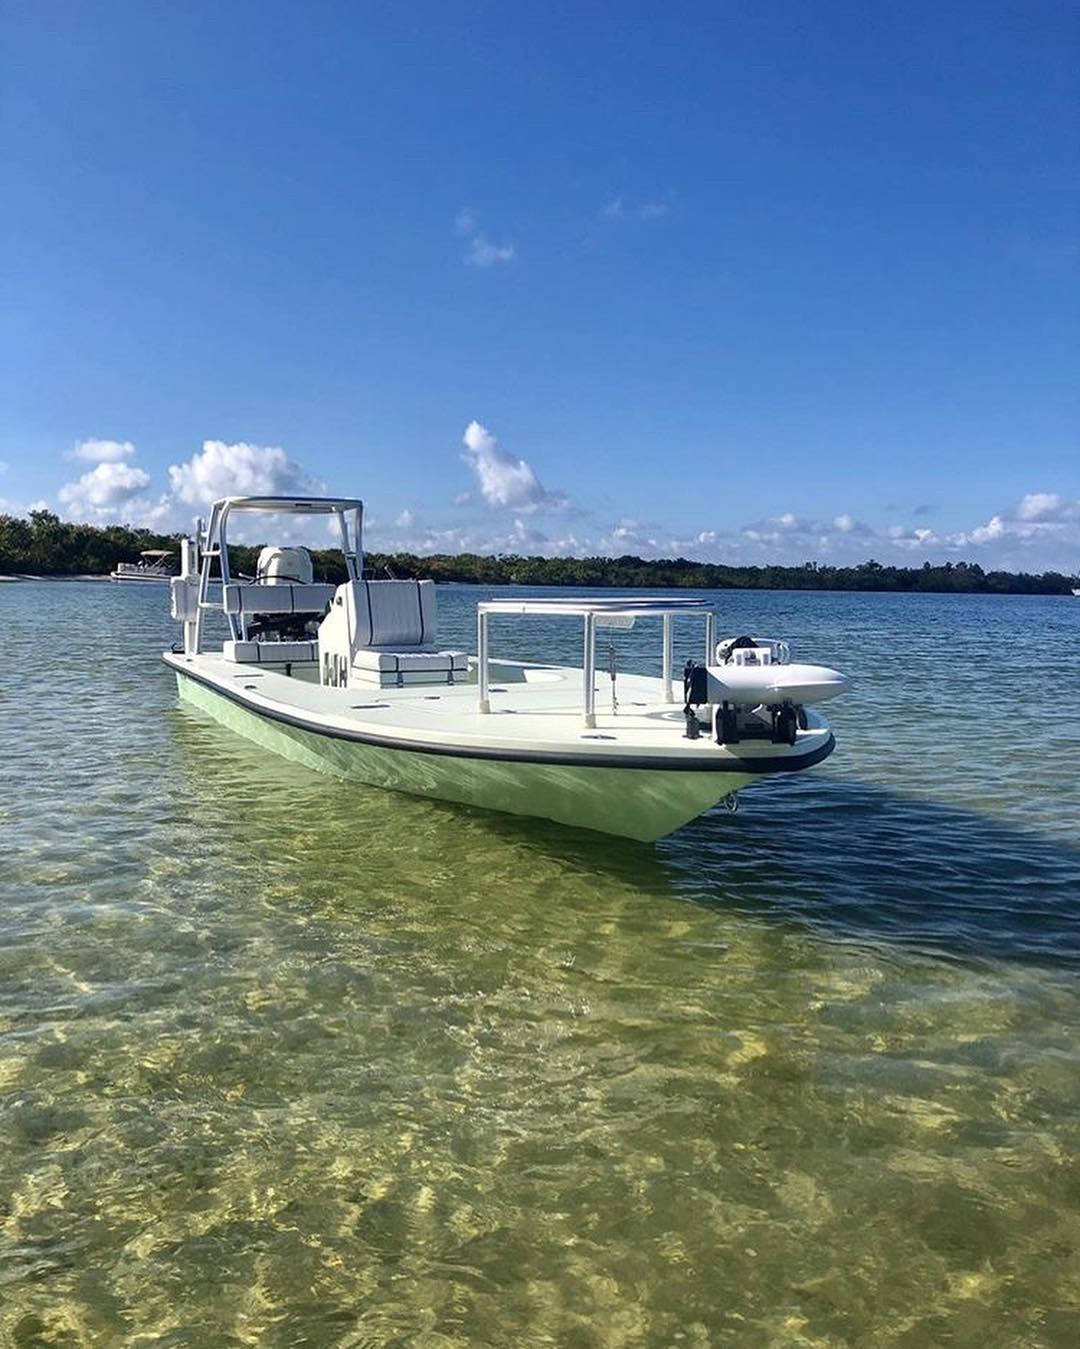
x=757, y=692
x=697, y=687
x=695, y=682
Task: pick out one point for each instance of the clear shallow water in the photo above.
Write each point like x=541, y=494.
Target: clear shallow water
x=283, y=1063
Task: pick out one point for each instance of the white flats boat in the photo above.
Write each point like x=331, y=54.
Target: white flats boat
x=352, y=680
x=153, y=565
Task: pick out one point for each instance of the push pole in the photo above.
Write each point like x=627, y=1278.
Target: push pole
x=589, y=671
x=484, y=704
x=669, y=696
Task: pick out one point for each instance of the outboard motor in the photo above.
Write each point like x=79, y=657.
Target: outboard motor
x=284, y=566
x=759, y=689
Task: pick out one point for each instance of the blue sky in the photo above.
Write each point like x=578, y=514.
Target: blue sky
x=745, y=281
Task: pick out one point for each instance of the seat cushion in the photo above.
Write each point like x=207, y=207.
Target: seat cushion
x=413, y=659
x=395, y=614
x=262, y=653
x=276, y=599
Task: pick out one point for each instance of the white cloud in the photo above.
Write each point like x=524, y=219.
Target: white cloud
x=1047, y=508
x=526, y=536
x=1037, y=523
x=995, y=528
x=503, y=478
x=220, y=470
x=912, y=539
x=1039, y=531
x=113, y=489
x=1006, y=540
x=116, y=489
x=786, y=538
x=629, y=536
x=794, y=538
x=781, y=528
x=20, y=508
x=103, y=451
x=484, y=537
x=617, y=209
x=483, y=253
x=98, y=493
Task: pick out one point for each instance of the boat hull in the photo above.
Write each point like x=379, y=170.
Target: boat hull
x=638, y=803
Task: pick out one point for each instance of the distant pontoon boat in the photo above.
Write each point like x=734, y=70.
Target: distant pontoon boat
x=153, y=565
x=352, y=680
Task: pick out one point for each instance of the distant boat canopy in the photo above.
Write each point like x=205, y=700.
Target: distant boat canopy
x=152, y=566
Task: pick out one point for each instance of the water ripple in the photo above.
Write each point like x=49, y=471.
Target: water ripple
x=282, y=1064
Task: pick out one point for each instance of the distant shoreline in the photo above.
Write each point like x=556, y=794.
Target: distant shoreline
x=53, y=576
x=44, y=547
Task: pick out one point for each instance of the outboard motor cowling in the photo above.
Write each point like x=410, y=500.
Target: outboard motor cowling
x=284, y=566
x=771, y=685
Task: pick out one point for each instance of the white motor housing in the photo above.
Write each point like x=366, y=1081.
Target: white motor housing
x=284, y=566
x=757, y=670
x=748, y=684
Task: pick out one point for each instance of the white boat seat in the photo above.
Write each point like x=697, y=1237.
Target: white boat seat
x=396, y=667
x=279, y=598
x=263, y=653
x=396, y=614
x=383, y=633
x=426, y=659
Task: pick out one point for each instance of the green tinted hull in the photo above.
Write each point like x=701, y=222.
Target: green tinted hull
x=637, y=803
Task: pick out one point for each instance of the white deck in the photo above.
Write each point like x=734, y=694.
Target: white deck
x=535, y=709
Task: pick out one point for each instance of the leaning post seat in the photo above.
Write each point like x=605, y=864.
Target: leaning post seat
x=248, y=598
x=387, y=668
x=383, y=633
